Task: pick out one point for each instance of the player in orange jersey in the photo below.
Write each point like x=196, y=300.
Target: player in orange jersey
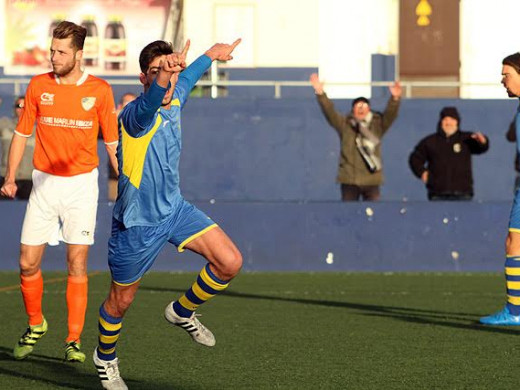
x=68, y=106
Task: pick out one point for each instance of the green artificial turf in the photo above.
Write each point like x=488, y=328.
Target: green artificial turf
x=283, y=331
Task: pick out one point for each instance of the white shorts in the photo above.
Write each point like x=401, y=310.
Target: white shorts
x=61, y=209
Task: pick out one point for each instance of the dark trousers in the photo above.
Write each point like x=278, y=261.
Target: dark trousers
x=450, y=196
x=351, y=193
x=23, y=192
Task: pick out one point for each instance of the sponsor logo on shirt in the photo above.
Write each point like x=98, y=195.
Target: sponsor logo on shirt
x=47, y=99
x=66, y=122
x=88, y=102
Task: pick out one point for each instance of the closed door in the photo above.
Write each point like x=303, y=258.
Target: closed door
x=429, y=52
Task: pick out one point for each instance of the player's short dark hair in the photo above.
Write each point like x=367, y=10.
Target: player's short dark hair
x=360, y=99
x=152, y=51
x=67, y=29
x=513, y=61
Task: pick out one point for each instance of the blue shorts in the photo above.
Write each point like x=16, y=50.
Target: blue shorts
x=132, y=251
x=514, y=218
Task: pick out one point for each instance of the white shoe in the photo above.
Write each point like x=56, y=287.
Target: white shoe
x=108, y=372
x=192, y=325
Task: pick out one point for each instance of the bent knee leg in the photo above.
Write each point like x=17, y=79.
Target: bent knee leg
x=119, y=299
x=117, y=306
x=229, y=265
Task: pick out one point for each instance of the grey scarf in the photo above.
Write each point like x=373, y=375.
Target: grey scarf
x=366, y=143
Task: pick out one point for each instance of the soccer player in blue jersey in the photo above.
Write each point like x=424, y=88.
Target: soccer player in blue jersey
x=150, y=210
x=510, y=314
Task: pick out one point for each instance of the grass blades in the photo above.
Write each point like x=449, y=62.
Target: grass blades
x=282, y=331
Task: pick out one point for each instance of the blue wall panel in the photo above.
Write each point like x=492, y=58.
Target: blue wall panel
x=270, y=166
x=269, y=150
x=386, y=236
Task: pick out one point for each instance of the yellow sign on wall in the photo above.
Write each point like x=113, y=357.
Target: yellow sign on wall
x=423, y=11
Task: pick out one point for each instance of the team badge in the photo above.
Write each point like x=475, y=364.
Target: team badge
x=457, y=148
x=88, y=102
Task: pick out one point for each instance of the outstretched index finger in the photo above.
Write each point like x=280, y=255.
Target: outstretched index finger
x=235, y=44
x=186, y=48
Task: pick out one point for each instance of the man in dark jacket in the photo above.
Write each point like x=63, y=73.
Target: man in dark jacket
x=360, y=132
x=443, y=160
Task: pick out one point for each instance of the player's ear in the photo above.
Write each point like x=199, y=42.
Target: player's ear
x=79, y=55
x=142, y=78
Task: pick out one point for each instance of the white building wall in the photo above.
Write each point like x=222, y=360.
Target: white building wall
x=339, y=36
x=3, y=26
x=489, y=32
x=350, y=32
x=274, y=33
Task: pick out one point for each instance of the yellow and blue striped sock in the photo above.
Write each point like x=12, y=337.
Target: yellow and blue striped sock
x=109, y=328
x=513, y=284
x=205, y=287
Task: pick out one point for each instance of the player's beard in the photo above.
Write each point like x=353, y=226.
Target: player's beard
x=65, y=69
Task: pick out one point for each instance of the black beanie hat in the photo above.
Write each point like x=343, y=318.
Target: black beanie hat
x=451, y=112
x=360, y=99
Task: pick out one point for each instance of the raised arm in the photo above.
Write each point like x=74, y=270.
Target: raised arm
x=138, y=114
x=222, y=51
x=316, y=84
x=392, y=107
x=188, y=78
x=334, y=118
x=173, y=63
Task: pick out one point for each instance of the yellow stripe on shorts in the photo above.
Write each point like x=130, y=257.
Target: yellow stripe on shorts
x=191, y=238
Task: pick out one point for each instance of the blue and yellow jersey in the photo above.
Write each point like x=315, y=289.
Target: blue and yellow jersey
x=517, y=125
x=149, y=150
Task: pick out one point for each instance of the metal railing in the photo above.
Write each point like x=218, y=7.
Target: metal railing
x=277, y=86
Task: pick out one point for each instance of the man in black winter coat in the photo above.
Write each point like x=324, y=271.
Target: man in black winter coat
x=443, y=160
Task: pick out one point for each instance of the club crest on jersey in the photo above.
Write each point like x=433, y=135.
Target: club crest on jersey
x=457, y=147
x=47, y=99
x=88, y=102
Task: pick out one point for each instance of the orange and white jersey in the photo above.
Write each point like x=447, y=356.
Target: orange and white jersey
x=67, y=122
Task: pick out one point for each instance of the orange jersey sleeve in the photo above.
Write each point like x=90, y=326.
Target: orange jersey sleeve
x=67, y=122
x=108, y=117
x=25, y=125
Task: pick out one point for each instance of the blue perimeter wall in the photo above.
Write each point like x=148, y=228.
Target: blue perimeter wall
x=265, y=169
